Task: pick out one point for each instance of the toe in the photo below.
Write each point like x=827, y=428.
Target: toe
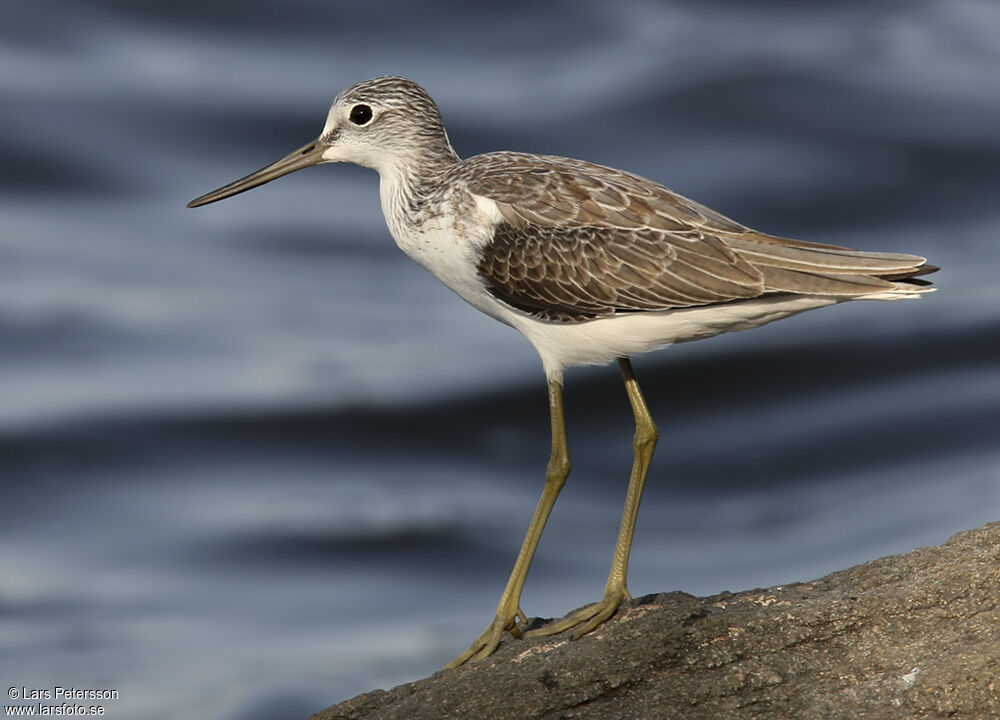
x=584, y=620
x=487, y=643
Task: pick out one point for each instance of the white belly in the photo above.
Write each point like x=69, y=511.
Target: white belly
x=600, y=341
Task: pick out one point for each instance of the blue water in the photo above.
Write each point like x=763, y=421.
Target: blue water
x=254, y=461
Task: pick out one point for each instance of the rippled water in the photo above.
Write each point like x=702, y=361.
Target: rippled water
x=255, y=461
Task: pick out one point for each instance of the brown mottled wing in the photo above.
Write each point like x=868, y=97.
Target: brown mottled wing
x=583, y=272
x=578, y=241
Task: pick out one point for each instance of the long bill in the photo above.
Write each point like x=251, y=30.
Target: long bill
x=311, y=154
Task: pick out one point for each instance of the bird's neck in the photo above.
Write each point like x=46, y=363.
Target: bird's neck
x=406, y=183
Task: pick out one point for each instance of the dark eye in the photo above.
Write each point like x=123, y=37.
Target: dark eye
x=361, y=114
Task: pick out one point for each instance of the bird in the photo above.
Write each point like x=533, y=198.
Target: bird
x=591, y=264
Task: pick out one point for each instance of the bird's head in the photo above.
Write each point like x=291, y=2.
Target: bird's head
x=388, y=124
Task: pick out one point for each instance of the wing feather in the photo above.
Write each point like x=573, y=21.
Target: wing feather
x=575, y=241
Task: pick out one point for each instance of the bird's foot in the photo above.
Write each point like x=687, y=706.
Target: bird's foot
x=586, y=618
x=487, y=643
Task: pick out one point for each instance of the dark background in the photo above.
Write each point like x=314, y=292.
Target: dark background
x=255, y=461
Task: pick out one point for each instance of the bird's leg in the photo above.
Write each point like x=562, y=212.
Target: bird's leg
x=646, y=435
x=508, y=611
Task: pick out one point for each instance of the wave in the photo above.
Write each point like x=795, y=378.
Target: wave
x=862, y=401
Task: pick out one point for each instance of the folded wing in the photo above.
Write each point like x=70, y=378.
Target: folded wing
x=576, y=241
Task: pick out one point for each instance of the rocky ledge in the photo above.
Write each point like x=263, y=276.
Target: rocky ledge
x=909, y=636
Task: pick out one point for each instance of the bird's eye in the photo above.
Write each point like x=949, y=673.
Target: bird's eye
x=361, y=114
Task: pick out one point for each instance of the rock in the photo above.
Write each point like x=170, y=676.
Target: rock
x=909, y=636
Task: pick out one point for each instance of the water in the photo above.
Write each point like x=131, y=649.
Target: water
x=254, y=461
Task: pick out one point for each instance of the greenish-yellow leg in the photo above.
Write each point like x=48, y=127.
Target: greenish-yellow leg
x=509, y=609
x=587, y=618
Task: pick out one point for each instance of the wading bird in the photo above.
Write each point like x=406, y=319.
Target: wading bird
x=590, y=263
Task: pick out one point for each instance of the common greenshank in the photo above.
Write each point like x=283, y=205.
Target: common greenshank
x=590, y=263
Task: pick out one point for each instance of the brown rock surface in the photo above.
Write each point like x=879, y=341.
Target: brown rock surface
x=909, y=636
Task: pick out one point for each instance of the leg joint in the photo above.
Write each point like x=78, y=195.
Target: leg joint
x=646, y=435
x=558, y=470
